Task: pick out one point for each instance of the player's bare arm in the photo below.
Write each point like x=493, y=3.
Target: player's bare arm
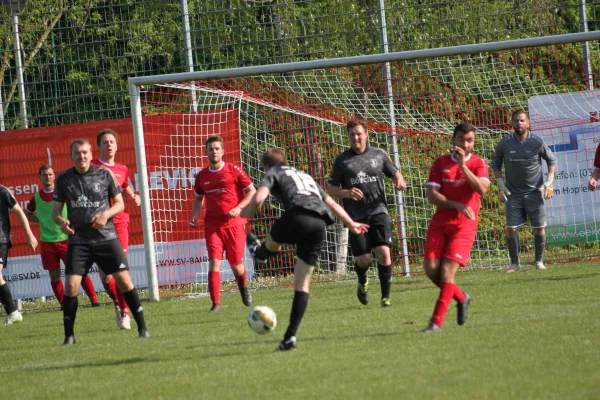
x=594, y=179
x=356, y=227
x=65, y=224
x=31, y=240
x=196, y=210
x=438, y=199
x=339, y=193
x=248, y=193
x=480, y=185
x=99, y=220
x=256, y=202
x=399, y=182
x=128, y=193
x=31, y=216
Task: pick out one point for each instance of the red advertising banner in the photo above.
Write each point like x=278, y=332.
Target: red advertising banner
x=174, y=151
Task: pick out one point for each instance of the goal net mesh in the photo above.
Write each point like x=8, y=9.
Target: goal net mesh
x=304, y=112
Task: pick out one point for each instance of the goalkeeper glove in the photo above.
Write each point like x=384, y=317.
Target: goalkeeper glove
x=548, y=190
x=502, y=188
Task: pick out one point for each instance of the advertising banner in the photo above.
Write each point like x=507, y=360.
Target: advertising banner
x=175, y=154
x=569, y=123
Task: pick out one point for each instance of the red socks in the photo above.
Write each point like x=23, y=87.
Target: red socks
x=59, y=290
x=89, y=289
x=122, y=302
x=447, y=291
x=214, y=286
x=459, y=295
x=115, y=294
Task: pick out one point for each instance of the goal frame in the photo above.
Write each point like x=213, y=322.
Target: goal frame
x=137, y=83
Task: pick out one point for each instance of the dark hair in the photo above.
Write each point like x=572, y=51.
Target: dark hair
x=517, y=112
x=353, y=123
x=463, y=128
x=44, y=167
x=79, y=142
x=213, y=139
x=273, y=157
x=106, y=132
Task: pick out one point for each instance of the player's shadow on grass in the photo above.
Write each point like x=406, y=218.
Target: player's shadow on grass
x=189, y=322
x=568, y=277
x=308, y=339
x=103, y=363
x=536, y=277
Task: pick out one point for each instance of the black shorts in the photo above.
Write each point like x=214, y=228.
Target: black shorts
x=4, y=253
x=108, y=255
x=303, y=228
x=379, y=234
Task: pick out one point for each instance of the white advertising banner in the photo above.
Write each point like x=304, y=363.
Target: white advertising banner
x=178, y=263
x=569, y=123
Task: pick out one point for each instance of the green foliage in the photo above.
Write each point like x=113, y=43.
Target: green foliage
x=78, y=54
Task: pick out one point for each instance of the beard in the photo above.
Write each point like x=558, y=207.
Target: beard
x=520, y=132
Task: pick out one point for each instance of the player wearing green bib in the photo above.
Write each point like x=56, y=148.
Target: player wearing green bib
x=53, y=242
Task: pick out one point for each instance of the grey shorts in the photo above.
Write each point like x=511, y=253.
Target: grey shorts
x=519, y=207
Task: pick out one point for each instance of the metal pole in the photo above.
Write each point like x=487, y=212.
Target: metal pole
x=587, y=63
x=189, y=57
x=389, y=92
x=20, y=82
x=142, y=170
x=368, y=59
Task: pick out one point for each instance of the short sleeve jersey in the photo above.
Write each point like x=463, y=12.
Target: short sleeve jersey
x=121, y=173
x=86, y=195
x=364, y=171
x=445, y=174
x=522, y=162
x=223, y=190
x=45, y=196
x=295, y=189
x=7, y=202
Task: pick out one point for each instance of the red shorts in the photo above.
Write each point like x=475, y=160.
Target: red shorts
x=450, y=241
x=232, y=240
x=52, y=253
x=122, y=229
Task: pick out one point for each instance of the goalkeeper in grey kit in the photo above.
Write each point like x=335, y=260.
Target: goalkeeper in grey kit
x=523, y=187
x=307, y=213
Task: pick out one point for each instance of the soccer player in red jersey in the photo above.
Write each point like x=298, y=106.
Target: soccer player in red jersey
x=455, y=185
x=227, y=189
x=53, y=242
x=107, y=141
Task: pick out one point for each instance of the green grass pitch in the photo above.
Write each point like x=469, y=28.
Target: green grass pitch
x=532, y=334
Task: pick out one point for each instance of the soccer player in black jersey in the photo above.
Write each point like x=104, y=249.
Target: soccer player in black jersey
x=307, y=213
x=88, y=190
x=9, y=203
x=357, y=178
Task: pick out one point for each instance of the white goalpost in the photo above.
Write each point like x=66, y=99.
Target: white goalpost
x=411, y=100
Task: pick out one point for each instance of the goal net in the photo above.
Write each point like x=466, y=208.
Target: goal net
x=411, y=112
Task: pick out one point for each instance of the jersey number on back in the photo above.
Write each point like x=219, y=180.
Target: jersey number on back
x=304, y=182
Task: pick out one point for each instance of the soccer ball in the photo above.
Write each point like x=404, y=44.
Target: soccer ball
x=262, y=319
